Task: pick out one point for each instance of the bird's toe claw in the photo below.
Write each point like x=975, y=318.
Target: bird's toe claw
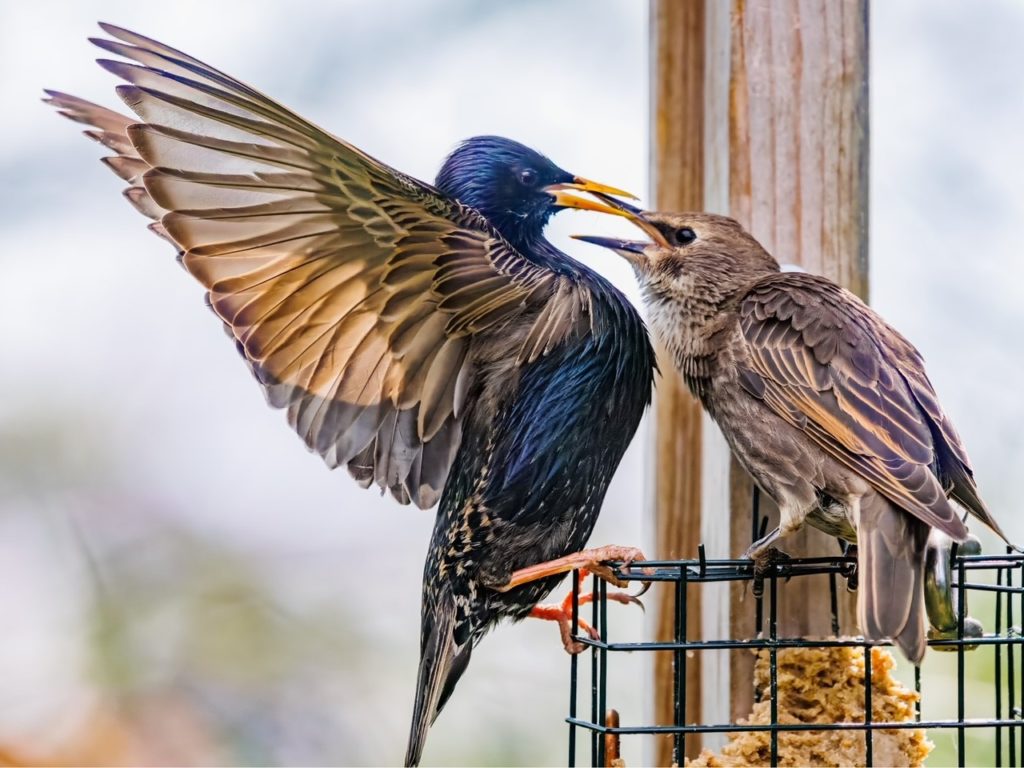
x=644, y=586
x=626, y=599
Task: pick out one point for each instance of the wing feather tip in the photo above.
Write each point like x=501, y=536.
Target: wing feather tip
x=426, y=497
x=122, y=69
x=104, y=43
x=128, y=93
x=119, y=32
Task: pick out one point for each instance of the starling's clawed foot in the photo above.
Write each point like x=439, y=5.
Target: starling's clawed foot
x=592, y=560
x=563, y=615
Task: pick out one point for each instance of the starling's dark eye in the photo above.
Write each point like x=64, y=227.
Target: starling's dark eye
x=528, y=177
x=684, y=236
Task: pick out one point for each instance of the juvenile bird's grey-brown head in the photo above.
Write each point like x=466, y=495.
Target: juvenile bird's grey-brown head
x=684, y=246
x=694, y=261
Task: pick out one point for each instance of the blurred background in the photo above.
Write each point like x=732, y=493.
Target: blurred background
x=184, y=584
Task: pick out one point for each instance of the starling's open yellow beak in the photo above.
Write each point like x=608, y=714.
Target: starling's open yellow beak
x=564, y=198
x=611, y=205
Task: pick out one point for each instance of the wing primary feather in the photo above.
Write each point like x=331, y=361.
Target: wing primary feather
x=356, y=294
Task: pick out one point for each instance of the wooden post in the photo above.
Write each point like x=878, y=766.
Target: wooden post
x=677, y=173
x=760, y=112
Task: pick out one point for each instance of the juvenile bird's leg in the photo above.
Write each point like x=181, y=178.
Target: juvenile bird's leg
x=563, y=615
x=592, y=559
x=763, y=552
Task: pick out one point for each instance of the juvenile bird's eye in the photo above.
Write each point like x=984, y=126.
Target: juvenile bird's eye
x=684, y=236
x=528, y=177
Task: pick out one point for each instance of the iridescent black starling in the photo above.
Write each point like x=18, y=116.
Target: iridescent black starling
x=825, y=405
x=426, y=337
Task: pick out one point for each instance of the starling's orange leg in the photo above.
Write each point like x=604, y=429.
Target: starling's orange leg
x=564, y=619
x=591, y=559
x=563, y=615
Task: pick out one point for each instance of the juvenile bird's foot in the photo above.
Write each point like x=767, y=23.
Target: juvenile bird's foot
x=852, y=580
x=592, y=560
x=563, y=615
x=940, y=593
x=764, y=559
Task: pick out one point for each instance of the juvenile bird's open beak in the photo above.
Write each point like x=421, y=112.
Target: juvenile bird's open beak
x=622, y=246
x=564, y=198
x=631, y=250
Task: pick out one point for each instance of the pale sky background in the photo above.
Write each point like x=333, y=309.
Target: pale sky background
x=166, y=543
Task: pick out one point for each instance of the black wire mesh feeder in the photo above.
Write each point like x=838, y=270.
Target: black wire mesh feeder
x=810, y=703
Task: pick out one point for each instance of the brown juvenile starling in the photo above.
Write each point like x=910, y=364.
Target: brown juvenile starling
x=825, y=405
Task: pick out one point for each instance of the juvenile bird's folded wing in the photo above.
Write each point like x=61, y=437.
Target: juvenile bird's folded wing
x=954, y=466
x=355, y=293
x=820, y=362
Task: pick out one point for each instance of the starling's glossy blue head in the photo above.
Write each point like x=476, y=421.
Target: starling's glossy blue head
x=516, y=188
x=505, y=181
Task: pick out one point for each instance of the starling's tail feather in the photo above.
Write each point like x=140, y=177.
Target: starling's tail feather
x=442, y=662
x=891, y=557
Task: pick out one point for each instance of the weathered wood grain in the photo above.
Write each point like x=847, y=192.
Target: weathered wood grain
x=760, y=111
x=678, y=180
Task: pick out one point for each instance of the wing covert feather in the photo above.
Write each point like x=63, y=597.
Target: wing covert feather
x=831, y=368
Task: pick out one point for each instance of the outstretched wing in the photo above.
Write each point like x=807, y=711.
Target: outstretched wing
x=355, y=293
x=824, y=362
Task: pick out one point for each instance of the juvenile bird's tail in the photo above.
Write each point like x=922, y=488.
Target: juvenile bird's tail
x=443, y=659
x=891, y=559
